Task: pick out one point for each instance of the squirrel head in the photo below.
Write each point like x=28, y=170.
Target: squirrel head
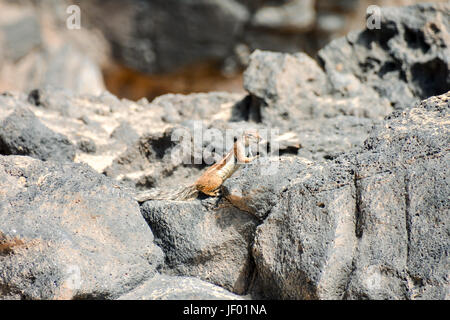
x=251, y=136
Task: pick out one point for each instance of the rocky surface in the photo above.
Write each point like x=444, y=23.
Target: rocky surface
x=67, y=233
x=163, y=287
x=204, y=240
x=354, y=205
x=365, y=76
x=256, y=188
x=403, y=236
x=369, y=225
x=22, y=133
x=292, y=92
x=407, y=59
x=138, y=48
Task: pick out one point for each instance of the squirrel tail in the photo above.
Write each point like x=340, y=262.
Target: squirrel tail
x=186, y=193
x=180, y=194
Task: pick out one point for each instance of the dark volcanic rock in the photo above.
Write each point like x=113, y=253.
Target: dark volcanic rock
x=201, y=240
x=198, y=106
x=66, y=232
x=368, y=218
x=256, y=188
x=403, y=207
x=366, y=75
x=370, y=224
x=285, y=84
x=163, y=287
x=304, y=248
x=100, y=127
x=406, y=60
x=291, y=92
x=22, y=133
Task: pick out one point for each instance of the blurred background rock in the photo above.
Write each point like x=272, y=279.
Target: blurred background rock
x=141, y=48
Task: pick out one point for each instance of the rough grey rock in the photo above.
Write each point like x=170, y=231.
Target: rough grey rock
x=403, y=207
x=372, y=224
x=100, y=127
x=191, y=123
x=67, y=233
x=288, y=88
x=304, y=248
x=406, y=60
x=328, y=137
x=22, y=133
x=148, y=163
x=202, y=240
x=132, y=142
x=291, y=92
x=179, y=108
x=256, y=187
x=163, y=287
x=285, y=84
x=367, y=75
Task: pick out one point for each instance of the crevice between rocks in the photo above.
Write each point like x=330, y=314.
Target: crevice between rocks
x=408, y=221
x=359, y=223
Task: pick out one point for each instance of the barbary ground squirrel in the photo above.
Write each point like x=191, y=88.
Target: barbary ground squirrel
x=212, y=179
